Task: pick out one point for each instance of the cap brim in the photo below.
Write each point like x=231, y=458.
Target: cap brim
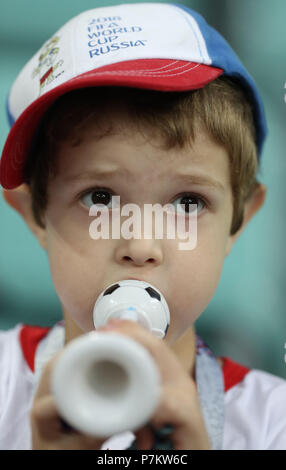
x=154, y=74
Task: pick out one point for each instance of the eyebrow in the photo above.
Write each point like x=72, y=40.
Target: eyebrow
x=201, y=180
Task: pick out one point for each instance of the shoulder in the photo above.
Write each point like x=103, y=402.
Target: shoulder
x=15, y=380
x=12, y=363
x=9, y=347
x=255, y=410
x=17, y=384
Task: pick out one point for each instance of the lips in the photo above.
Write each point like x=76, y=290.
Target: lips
x=136, y=279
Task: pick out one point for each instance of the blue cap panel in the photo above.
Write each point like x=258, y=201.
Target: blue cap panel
x=223, y=56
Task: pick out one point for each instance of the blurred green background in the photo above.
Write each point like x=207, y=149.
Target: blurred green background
x=246, y=318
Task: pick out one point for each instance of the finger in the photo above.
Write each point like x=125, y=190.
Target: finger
x=144, y=438
x=179, y=404
x=45, y=417
x=182, y=420
x=49, y=427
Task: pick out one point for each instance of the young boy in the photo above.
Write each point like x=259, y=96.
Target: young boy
x=115, y=104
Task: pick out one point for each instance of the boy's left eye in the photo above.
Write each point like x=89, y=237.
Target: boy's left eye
x=189, y=199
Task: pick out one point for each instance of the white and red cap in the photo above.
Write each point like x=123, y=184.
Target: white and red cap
x=156, y=46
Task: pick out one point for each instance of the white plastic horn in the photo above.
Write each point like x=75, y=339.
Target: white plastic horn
x=106, y=383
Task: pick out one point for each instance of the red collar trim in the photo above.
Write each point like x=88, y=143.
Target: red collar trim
x=233, y=372
x=30, y=336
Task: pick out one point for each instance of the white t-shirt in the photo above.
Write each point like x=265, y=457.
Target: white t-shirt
x=255, y=401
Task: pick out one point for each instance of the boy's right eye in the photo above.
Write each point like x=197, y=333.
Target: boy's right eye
x=97, y=196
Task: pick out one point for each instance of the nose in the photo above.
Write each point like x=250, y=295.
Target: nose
x=140, y=252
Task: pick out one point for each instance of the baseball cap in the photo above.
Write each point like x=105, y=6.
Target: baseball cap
x=158, y=46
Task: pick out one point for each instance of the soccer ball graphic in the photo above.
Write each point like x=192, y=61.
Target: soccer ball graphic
x=135, y=300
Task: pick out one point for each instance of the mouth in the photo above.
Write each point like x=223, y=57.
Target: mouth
x=136, y=279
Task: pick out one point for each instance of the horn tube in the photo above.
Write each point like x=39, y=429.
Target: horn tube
x=105, y=383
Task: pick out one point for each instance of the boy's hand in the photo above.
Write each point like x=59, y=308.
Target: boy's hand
x=49, y=432
x=179, y=403
x=178, y=406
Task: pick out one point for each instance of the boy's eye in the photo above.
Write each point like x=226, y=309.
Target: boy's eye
x=97, y=196
x=186, y=199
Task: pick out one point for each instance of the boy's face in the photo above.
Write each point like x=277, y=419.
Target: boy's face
x=145, y=173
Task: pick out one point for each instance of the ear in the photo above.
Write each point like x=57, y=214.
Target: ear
x=254, y=203
x=20, y=199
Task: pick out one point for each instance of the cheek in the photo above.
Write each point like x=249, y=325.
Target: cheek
x=77, y=265
x=196, y=275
